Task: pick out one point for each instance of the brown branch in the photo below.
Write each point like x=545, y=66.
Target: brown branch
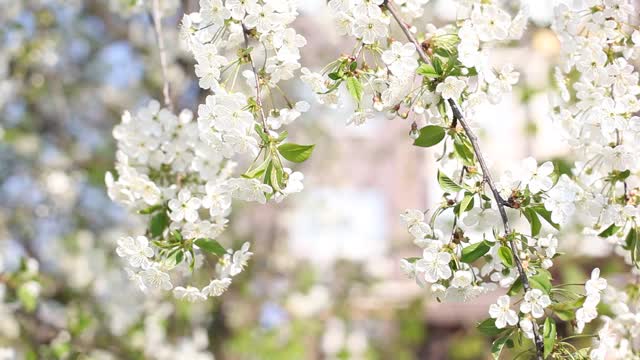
x=157, y=26
x=486, y=174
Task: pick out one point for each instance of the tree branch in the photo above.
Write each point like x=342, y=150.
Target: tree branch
x=263, y=118
x=157, y=26
x=486, y=174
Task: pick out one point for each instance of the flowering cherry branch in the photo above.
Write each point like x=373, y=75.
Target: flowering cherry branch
x=486, y=174
x=451, y=78
x=181, y=173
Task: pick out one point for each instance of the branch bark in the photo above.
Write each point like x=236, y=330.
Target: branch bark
x=486, y=174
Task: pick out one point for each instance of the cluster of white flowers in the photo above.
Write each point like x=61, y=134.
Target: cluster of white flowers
x=599, y=98
x=438, y=78
x=182, y=172
x=618, y=335
x=167, y=171
x=594, y=288
x=391, y=84
x=597, y=110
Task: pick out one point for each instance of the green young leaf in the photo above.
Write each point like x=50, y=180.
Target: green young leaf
x=211, y=246
x=283, y=135
x=428, y=71
x=542, y=281
x=498, y=345
x=177, y=235
x=430, y=135
x=466, y=203
x=159, y=222
x=473, y=252
x=355, y=88
x=150, y=209
x=447, y=184
x=534, y=221
x=179, y=257
x=334, y=76
x=506, y=256
x=258, y=171
x=566, y=311
x=28, y=297
x=277, y=177
x=294, y=152
x=545, y=214
x=632, y=243
x=464, y=150
x=261, y=133
x=516, y=287
x=612, y=229
x=488, y=327
x=549, y=337
x=437, y=64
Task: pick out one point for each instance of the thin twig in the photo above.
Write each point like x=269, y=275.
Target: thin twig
x=157, y=26
x=500, y=202
x=263, y=118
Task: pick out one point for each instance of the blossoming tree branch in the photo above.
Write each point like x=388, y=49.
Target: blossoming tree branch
x=181, y=171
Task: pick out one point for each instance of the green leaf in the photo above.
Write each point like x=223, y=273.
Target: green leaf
x=430, y=135
x=566, y=310
x=437, y=64
x=473, y=252
x=549, y=333
x=261, y=133
x=355, y=88
x=632, y=243
x=466, y=203
x=545, y=214
x=612, y=229
x=541, y=280
x=534, y=221
x=177, y=235
x=211, y=246
x=498, y=345
x=428, y=71
x=283, y=135
x=258, y=171
x=294, y=152
x=488, y=327
x=506, y=256
x=353, y=66
x=159, y=222
x=150, y=209
x=179, y=257
x=447, y=184
x=27, y=296
x=334, y=76
x=464, y=150
x=516, y=287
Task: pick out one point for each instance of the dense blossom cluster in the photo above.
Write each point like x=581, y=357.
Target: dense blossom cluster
x=392, y=83
x=597, y=110
x=181, y=170
x=438, y=78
